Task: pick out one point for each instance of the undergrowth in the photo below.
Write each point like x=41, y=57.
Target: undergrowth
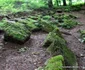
x=82, y=36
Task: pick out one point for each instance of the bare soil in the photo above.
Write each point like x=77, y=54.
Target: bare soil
x=33, y=57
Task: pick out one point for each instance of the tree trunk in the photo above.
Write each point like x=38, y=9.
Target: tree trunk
x=64, y=3
x=50, y=4
x=57, y=2
x=70, y=2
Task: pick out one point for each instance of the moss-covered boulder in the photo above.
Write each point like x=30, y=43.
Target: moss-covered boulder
x=30, y=24
x=16, y=32
x=68, y=24
x=55, y=63
x=32, y=27
x=47, y=26
x=56, y=44
x=65, y=20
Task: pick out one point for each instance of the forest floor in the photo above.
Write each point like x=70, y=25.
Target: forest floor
x=11, y=58
x=73, y=40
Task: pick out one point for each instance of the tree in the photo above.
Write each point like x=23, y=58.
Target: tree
x=50, y=4
x=57, y=1
x=70, y=2
x=64, y=3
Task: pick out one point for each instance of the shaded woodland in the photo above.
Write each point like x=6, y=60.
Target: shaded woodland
x=42, y=34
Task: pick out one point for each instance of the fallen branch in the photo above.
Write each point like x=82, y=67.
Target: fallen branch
x=66, y=33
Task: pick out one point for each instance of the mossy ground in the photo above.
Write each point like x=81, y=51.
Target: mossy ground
x=54, y=41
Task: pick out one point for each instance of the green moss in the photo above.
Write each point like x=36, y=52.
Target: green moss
x=55, y=63
x=56, y=58
x=1, y=25
x=33, y=24
x=33, y=17
x=63, y=17
x=68, y=24
x=52, y=37
x=31, y=20
x=47, y=26
x=56, y=44
x=66, y=16
x=82, y=36
x=47, y=17
x=30, y=24
x=55, y=16
x=18, y=31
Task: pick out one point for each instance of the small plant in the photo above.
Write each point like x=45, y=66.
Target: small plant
x=47, y=17
x=23, y=49
x=82, y=36
x=68, y=24
x=1, y=25
x=66, y=16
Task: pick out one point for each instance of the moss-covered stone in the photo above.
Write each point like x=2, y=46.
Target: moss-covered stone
x=51, y=37
x=33, y=25
x=55, y=63
x=68, y=24
x=62, y=17
x=57, y=45
x=16, y=32
x=30, y=24
x=47, y=26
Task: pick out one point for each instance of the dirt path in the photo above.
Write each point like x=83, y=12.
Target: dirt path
x=34, y=56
